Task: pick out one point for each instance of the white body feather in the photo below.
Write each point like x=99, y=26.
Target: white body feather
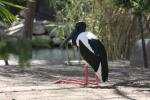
x=84, y=37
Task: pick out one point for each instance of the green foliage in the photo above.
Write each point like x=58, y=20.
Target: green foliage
x=7, y=2
x=25, y=52
x=2, y=44
x=123, y=3
x=21, y=47
x=3, y=50
x=138, y=6
x=104, y=19
x=40, y=43
x=5, y=14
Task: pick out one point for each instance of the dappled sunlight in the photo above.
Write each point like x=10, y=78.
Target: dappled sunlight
x=125, y=82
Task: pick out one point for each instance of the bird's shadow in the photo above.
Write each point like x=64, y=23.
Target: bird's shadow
x=127, y=83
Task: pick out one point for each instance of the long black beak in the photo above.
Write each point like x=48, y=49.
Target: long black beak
x=67, y=39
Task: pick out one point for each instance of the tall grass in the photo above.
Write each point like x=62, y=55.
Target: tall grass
x=116, y=28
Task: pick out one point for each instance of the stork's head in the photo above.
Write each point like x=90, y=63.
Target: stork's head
x=79, y=28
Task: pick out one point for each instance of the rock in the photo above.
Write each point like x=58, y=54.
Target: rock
x=136, y=56
x=54, y=36
x=56, y=41
x=38, y=28
x=2, y=27
x=41, y=37
x=15, y=29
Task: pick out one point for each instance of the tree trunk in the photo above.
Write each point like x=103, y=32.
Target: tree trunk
x=29, y=17
x=6, y=62
x=45, y=10
x=143, y=42
x=28, y=26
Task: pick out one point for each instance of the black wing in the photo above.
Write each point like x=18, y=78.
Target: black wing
x=100, y=52
x=89, y=56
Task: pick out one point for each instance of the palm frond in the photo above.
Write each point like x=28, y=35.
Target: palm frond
x=5, y=14
x=13, y=5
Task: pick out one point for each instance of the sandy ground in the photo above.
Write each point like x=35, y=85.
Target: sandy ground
x=36, y=83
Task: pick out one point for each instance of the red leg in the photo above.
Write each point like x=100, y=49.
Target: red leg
x=97, y=79
x=86, y=74
x=80, y=82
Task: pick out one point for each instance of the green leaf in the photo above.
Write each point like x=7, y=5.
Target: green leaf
x=13, y=5
x=2, y=44
x=6, y=15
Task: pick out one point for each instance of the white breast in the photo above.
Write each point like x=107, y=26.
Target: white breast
x=84, y=37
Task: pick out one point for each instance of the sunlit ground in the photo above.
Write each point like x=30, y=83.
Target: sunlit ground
x=36, y=82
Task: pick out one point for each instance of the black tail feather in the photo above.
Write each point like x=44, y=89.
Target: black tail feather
x=104, y=73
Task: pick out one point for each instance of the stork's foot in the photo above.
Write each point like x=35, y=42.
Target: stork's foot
x=97, y=79
x=76, y=81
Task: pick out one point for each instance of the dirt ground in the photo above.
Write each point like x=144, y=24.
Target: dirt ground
x=36, y=82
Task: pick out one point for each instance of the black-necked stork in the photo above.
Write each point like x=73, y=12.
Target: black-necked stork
x=92, y=51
